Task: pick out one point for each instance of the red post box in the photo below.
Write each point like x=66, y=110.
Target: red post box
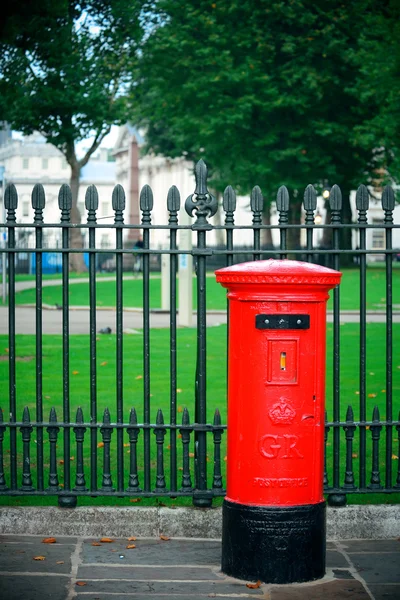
x=274, y=510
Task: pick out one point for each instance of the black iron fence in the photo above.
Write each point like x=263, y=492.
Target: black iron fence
x=122, y=451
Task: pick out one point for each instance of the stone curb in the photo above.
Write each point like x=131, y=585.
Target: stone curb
x=350, y=522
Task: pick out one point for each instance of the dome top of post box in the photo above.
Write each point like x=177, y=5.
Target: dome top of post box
x=283, y=272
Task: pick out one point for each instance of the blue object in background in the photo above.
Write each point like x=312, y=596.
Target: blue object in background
x=51, y=263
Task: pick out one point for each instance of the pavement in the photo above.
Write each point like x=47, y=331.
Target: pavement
x=177, y=569
x=132, y=317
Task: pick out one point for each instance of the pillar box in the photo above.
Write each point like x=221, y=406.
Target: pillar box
x=274, y=510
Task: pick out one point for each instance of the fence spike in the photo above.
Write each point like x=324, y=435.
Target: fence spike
x=229, y=200
x=185, y=417
x=11, y=197
x=146, y=199
x=26, y=416
x=200, y=173
x=256, y=199
x=38, y=197
x=106, y=417
x=160, y=417
x=173, y=199
x=118, y=198
x=349, y=415
x=310, y=198
x=65, y=198
x=79, y=416
x=217, y=418
x=375, y=415
x=92, y=198
x=362, y=198
x=132, y=417
x=282, y=199
x=53, y=415
x=335, y=198
x=388, y=198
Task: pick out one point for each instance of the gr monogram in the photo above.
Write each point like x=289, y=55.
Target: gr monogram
x=279, y=446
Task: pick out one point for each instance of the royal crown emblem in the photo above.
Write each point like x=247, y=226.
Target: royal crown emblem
x=282, y=413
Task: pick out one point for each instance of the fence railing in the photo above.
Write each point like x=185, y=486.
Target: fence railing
x=77, y=443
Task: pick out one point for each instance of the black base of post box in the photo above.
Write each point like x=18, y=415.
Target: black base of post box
x=274, y=544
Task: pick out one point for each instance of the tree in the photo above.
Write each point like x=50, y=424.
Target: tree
x=262, y=90
x=378, y=86
x=65, y=67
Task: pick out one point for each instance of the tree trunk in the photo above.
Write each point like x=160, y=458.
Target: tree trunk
x=266, y=235
x=76, y=261
x=293, y=235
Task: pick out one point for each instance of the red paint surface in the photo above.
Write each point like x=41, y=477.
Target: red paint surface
x=276, y=404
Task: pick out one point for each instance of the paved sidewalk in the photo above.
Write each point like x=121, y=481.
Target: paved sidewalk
x=177, y=569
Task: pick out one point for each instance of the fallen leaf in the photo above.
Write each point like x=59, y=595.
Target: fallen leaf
x=81, y=583
x=225, y=458
x=254, y=586
x=178, y=391
x=39, y=558
x=103, y=364
x=357, y=393
x=179, y=436
x=75, y=372
x=165, y=538
x=113, y=550
x=100, y=444
x=139, y=377
x=61, y=462
x=135, y=500
x=354, y=455
x=72, y=458
x=48, y=397
x=49, y=540
x=367, y=427
x=96, y=544
x=394, y=457
x=191, y=454
x=180, y=468
x=383, y=391
x=127, y=445
x=371, y=395
x=180, y=409
x=59, y=562
x=372, y=373
x=130, y=546
x=169, y=447
x=6, y=350
x=132, y=539
x=106, y=540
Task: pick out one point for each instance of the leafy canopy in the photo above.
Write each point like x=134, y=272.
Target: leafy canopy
x=263, y=90
x=65, y=66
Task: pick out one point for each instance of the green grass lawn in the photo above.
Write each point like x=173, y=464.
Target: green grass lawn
x=216, y=299
x=216, y=385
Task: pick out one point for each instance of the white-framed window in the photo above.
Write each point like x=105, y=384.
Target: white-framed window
x=378, y=236
x=25, y=163
x=64, y=164
x=45, y=163
x=25, y=208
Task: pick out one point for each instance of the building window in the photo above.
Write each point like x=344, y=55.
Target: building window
x=45, y=163
x=25, y=163
x=105, y=207
x=64, y=164
x=378, y=237
x=25, y=208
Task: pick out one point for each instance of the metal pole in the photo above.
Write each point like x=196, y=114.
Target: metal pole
x=3, y=243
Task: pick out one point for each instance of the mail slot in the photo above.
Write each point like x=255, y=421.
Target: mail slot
x=274, y=510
